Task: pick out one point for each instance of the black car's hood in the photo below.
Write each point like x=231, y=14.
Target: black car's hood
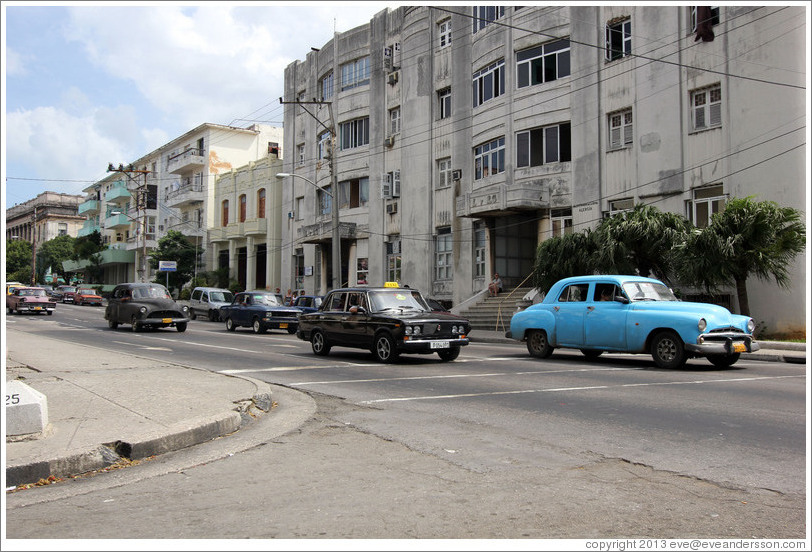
x=158, y=303
x=421, y=316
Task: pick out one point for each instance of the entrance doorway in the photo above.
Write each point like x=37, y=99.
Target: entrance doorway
x=513, y=246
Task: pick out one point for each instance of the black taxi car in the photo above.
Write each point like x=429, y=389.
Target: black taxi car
x=145, y=305
x=386, y=320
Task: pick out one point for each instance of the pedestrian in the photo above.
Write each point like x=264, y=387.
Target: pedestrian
x=495, y=286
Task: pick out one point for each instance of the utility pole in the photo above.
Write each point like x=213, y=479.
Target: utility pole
x=141, y=204
x=336, y=219
x=34, y=248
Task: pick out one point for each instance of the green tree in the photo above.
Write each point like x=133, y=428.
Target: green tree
x=19, y=254
x=748, y=238
x=175, y=247
x=561, y=257
x=52, y=253
x=641, y=241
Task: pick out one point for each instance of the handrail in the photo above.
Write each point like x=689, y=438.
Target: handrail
x=499, y=312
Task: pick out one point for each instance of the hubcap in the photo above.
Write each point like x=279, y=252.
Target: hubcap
x=667, y=349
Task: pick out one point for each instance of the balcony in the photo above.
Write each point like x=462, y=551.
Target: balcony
x=257, y=226
x=89, y=207
x=218, y=235
x=88, y=228
x=187, y=194
x=190, y=160
x=118, y=193
x=117, y=221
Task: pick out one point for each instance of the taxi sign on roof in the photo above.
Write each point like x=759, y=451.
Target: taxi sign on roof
x=391, y=284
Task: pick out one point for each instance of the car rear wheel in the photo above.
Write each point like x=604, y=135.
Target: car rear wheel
x=384, y=348
x=448, y=355
x=591, y=354
x=667, y=350
x=181, y=326
x=258, y=327
x=537, y=344
x=319, y=343
x=230, y=325
x=724, y=361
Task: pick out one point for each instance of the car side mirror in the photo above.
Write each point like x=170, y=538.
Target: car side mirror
x=621, y=299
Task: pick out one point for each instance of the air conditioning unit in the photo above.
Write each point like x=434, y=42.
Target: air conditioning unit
x=456, y=175
x=393, y=77
x=290, y=214
x=392, y=208
x=389, y=141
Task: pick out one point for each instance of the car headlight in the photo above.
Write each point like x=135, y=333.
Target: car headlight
x=412, y=330
x=751, y=325
x=185, y=308
x=143, y=310
x=702, y=325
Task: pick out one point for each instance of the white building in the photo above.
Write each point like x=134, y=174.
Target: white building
x=466, y=136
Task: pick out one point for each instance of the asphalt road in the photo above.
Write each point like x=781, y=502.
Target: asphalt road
x=493, y=445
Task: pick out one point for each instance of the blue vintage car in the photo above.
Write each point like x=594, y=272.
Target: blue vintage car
x=261, y=311
x=631, y=314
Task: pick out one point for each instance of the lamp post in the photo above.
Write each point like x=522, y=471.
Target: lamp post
x=142, y=261
x=336, y=233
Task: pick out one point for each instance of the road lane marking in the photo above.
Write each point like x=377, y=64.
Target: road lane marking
x=562, y=389
x=296, y=368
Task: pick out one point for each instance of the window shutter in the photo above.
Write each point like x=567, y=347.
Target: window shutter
x=396, y=184
x=608, y=49
x=614, y=137
x=716, y=114
x=699, y=117
x=386, y=186
x=627, y=133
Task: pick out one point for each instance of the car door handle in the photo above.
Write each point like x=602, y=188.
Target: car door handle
x=590, y=308
x=555, y=309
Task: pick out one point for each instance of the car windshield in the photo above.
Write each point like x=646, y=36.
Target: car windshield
x=87, y=291
x=33, y=292
x=397, y=299
x=68, y=288
x=150, y=292
x=266, y=299
x=222, y=296
x=648, y=291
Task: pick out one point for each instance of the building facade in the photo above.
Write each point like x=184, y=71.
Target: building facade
x=457, y=139
x=45, y=217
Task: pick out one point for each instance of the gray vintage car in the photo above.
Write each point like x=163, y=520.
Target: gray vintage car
x=145, y=305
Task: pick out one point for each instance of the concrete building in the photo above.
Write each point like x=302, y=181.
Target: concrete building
x=45, y=217
x=465, y=136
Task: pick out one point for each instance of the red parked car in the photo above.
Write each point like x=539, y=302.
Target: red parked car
x=87, y=296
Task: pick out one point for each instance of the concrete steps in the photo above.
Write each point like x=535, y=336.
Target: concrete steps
x=494, y=313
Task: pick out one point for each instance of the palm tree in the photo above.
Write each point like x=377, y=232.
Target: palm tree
x=748, y=238
x=561, y=257
x=640, y=241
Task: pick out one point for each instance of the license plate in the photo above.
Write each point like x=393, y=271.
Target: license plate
x=37, y=308
x=283, y=325
x=440, y=344
x=166, y=320
x=739, y=348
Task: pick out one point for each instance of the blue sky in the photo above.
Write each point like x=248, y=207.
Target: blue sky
x=85, y=85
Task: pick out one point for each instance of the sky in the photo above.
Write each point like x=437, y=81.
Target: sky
x=87, y=84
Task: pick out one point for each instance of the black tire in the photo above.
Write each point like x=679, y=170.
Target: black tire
x=135, y=325
x=292, y=329
x=257, y=326
x=112, y=324
x=724, y=361
x=230, y=324
x=537, y=344
x=192, y=314
x=319, y=343
x=214, y=316
x=50, y=313
x=591, y=354
x=447, y=355
x=181, y=326
x=9, y=310
x=667, y=350
x=384, y=348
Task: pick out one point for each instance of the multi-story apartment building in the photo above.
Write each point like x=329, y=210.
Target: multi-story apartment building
x=170, y=188
x=45, y=217
x=465, y=136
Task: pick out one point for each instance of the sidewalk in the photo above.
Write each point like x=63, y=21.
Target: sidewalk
x=106, y=407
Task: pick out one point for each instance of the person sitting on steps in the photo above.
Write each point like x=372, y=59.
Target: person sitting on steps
x=495, y=286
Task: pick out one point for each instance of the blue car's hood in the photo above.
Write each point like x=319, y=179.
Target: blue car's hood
x=720, y=315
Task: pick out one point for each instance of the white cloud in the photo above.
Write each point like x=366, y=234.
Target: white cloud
x=16, y=63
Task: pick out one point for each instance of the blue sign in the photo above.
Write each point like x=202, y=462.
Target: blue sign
x=167, y=266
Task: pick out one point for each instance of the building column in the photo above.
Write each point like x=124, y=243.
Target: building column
x=232, y=260
x=250, y=263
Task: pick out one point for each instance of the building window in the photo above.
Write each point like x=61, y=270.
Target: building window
x=444, y=173
x=394, y=121
x=618, y=39
x=299, y=268
x=621, y=131
x=300, y=154
x=325, y=200
x=224, y=213
x=712, y=18
x=706, y=202
x=62, y=229
x=484, y=15
x=362, y=270
x=479, y=249
x=561, y=222
x=620, y=206
x=444, y=98
x=353, y=193
x=489, y=159
x=355, y=73
x=299, y=99
x=489, y=82
x=326, y=85
x=324, y=145
x=444, y=31
x=354, y=134
x=261, y=203
x=543, y=145
x=297, y=210
x=706, y=107
x=243, y=207
x=544, y=63
x=393, y=259
x=151, y=228
x=443, y=248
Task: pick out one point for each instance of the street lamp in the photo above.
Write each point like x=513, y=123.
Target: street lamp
x=336, y=233
x=142, y=262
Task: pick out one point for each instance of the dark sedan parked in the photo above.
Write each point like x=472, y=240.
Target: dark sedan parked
x=387, y=321
x=261, y=311
x=145, y=305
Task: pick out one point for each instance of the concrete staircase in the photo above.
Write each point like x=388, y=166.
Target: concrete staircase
x=485, y=315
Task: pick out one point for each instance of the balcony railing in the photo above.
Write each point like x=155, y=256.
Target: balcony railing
x=89, y=207
x=117, y=193
x=186, y=194
x=189, y=160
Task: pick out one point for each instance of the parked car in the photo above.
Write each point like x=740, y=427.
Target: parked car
x=261, y=311
x=87, y=296
x=308, y=303
x=631, y=314
x=144, y=305
x=49, y=289
x=387, y=321
x=11, y=285
x=29, y=299
x=65, y=294
x=206, y=301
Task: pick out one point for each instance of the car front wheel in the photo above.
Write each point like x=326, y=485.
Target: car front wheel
x=230, y=325
x=213, y=316
x=724, y=361
x=591, y=354
x=181, y=326
x=319, y=343
x=112, y=324
x=667, y=350
x=258, y=327
x=537, y=344
x=448, y=355
x=384, y=348
x=135, y=325
x=192, y=314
